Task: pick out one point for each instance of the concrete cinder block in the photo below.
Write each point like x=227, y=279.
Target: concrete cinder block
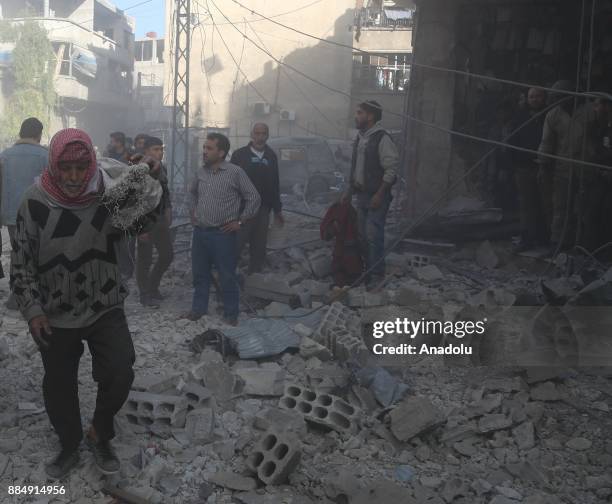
x=323, y=409
x=337, y=316
x=156, y=384
x=260, y=381
x=147, y=409
x=200, y=424
x=274, y=457
x=197, y=396
x=347, y=346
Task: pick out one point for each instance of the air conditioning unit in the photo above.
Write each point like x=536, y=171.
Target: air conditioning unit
x=261, y=109
x=287, y=115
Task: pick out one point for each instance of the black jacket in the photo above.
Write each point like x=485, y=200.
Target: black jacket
x=263, y=173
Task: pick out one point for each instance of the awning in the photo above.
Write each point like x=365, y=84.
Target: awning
x=397, y=14
x=84, y=61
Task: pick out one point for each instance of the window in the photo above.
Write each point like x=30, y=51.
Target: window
x=143, y=50
x=160, y=50
x=388, y=72
x=292, y=154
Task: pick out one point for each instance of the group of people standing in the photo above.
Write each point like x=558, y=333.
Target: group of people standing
x=66, y=272
x=563, y=202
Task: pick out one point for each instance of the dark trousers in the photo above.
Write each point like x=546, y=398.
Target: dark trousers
x=212, y=247
x=112, y=351
x=533, y=222
x=126, y=254
x=149, y=279
x=371, y=227
x=255, y=233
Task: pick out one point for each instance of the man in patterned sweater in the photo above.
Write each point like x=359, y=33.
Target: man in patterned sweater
x=66, y=280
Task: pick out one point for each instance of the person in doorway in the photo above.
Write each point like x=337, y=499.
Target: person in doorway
x=374, y=169
x=260, y=163
x=222, y=198
x=159, y=237
x=66, y=280
x=563, y=135
x=533, y=223
x=19, y=166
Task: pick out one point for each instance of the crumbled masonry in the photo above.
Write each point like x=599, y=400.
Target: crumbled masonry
x=310, y=424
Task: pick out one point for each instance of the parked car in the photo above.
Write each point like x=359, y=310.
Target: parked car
x=307, y=164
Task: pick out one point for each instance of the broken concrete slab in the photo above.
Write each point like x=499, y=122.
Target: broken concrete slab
x=524, y=436
x=199, y=425
x=320, y=263
x=260, y=381
x=545, y=392
x=414, y=416
x=280, y=420
x=579, y=444
x=233, y=481
x=156, y=384
x=218, y=378
x=494, y=422
x=310, y=348
x=486, y=256
x=429, y=273
x=273, y=287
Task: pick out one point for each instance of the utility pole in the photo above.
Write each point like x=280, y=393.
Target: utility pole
x=179, y=169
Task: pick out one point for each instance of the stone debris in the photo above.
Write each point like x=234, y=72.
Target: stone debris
x=414, y=416
x=263, y=381
x=425, y=431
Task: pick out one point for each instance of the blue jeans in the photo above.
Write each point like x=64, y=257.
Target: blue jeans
x=371, y=227
x=213, y=247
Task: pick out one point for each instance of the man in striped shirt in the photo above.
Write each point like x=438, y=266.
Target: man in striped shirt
x=222, y=197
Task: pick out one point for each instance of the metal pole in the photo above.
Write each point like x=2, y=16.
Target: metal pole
x=179, y=169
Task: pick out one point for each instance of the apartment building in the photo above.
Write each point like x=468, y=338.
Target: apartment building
x=93, y=42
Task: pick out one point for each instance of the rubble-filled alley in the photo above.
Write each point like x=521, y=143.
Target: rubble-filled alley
x=290, y=406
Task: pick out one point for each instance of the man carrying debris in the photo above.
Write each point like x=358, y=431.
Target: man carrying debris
x=66, y=280
x=217, y=194
x=373, y=172
x=19, y=166
x=261, y=165
x=159, y=236
x=533, y=222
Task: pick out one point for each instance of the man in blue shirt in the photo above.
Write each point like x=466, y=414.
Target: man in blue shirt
x=19, y=166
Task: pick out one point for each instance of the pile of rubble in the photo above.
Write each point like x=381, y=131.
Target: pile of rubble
x=290, y=407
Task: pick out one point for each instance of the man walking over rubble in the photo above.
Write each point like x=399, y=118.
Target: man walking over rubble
x=260, y=163
x=19, y=166
x=533, y=224
x=222, y=198
x=67, y=284
x=159, y=236
x=374, y=169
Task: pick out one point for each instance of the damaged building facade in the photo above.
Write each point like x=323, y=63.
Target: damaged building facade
x=93, y=42
x=534, y=43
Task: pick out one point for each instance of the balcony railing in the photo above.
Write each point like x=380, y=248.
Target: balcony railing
x=384, y=19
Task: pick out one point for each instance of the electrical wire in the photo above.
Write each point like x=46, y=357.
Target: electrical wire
x=303, y=7
x=427, y=67
x=435, y=126
x=306, y=97
x=203, y=54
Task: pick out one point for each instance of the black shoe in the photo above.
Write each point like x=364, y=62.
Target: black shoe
x=157, y=296
x=61, y=465
x=146, y=300
x=104, y=455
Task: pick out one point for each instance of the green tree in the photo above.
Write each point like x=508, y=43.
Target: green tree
x=33, y=92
